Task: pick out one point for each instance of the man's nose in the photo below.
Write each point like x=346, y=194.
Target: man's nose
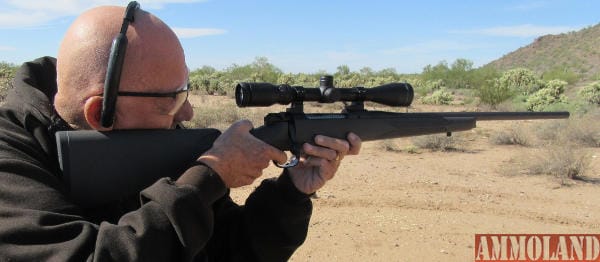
x=185, y=113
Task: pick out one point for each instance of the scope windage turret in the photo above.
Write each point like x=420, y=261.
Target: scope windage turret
x=266, y=94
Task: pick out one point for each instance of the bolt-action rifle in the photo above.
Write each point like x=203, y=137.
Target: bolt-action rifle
x=100, y=167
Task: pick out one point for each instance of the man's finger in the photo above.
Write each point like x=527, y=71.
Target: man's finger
x=318, y=151
x=338, y=145
x=355, y=144
x=275, y=154
x=243, y=125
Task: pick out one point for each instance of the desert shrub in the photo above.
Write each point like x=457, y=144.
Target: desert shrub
x=493, y=93
x=591, y=93
x=198, y=82
x=416, y=83
x=422, y=88
x=287, y=79
x=215, y=117
x=514, y=135
x=435, y=84
x=551, y=130
x=575, y=107
x=551, y=93
x=563, y=74
x=560, y=162
x=520, y=79
x=392, y=145
x=389, y=145
x=211, y=86
x=436, y=142
x=439, y=97
x=584, y=132
x=411, y=149
x=5, y=85
x=7, y=72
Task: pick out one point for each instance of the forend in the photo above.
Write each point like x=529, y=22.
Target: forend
x=267, y=94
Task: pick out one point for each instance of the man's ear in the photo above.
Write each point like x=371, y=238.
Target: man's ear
x=92, y=111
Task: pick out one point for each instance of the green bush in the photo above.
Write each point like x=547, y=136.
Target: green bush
x=591, y=93
x=562, y=74
x=552, y=93
x=7, y=72
x=439, y=97
x=493, y=93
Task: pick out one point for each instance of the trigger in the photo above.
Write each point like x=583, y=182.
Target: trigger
x=292, y=162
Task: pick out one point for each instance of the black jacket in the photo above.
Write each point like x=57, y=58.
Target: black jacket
x=38, y=222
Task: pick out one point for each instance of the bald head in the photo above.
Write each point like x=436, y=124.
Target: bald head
x=154, y=59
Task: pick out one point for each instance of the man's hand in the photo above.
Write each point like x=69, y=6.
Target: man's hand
x=322, y=161
x=239, y=157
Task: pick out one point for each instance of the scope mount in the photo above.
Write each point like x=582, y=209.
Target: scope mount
x=328, y=95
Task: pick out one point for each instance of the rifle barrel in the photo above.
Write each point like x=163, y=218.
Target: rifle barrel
x=488, y=116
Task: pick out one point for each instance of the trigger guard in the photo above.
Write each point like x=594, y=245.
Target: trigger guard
x=292, y=162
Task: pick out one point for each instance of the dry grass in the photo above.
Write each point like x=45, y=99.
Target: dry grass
x=515, y=135
x=437, y=142
x=560, y=162
x=220, y=112
x=389, y=145
x=584, y=132
x=395, y=145
x=551, y=130
x=578, y=131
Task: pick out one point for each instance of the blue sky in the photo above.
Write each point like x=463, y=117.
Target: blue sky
x=308, y=36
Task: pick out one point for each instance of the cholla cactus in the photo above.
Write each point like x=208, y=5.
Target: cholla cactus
x=520, y=79
x=439, y=97
x=591, y=93
x=552, y=93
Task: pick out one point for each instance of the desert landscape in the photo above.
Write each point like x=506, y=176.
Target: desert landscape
x=398, y=202
x=424, y=198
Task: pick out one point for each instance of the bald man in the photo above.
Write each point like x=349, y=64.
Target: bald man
x=190, y=219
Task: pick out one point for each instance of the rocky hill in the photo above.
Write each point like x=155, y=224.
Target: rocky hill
x=577, y=52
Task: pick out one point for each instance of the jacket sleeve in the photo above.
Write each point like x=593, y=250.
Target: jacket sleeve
x=39, y=223
x=271, y=225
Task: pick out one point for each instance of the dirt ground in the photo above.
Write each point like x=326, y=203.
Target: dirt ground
x=427, y=206
x=398, y=206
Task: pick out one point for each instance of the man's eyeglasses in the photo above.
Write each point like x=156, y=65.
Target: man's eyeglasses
x=180, y=96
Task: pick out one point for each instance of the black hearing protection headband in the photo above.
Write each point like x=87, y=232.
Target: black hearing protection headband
x=115, y=65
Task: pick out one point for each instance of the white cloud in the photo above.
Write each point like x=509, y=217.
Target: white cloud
x=20, y=13
x=526, y=30
x=23, y=19
x=197, y=32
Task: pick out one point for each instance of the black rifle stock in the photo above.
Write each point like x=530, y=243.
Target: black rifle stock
x=100, y=167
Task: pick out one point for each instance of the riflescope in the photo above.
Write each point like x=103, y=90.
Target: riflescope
x=266, y=94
